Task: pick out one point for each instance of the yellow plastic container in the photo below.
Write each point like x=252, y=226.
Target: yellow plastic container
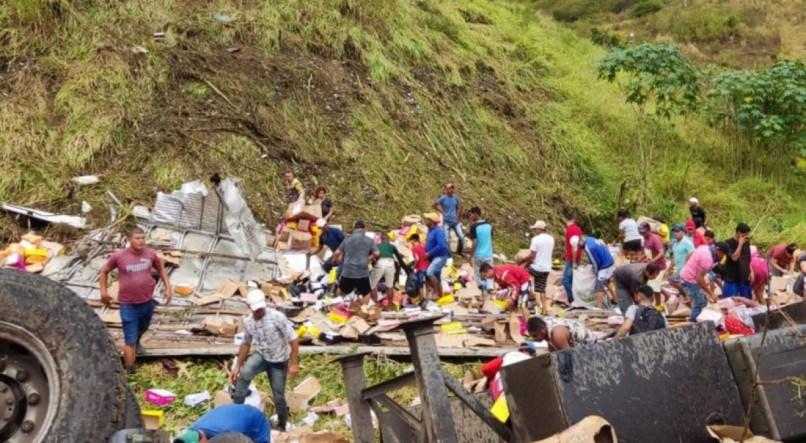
x=502, y=303
x=38, y=252
x=445, y=300
x=153, y=419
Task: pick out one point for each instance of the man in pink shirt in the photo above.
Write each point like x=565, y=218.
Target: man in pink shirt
x=694, y=274
x=136, y=294
x=654, y=252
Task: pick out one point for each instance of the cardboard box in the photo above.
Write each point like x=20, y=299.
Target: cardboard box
x=160, y=397
x=197, y=399
x=228, y=288
x=223, y=327
x=306, y=391
x=300, y=241
x=153, y=419
x=298, y=211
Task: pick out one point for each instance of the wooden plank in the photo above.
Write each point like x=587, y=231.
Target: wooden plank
x=206, y=349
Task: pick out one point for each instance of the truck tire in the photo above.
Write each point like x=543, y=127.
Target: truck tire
x=57, y=365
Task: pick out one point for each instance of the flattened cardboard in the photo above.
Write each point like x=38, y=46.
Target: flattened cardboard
x=228, y=288
x=208, y=299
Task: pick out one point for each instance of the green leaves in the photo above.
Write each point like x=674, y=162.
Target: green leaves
x=654, y=72
x=768, y=106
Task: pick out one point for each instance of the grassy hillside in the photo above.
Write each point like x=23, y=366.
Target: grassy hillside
x=380, y=101
x=734, y=33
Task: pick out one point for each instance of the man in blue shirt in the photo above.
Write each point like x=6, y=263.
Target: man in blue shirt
x=481, y=232
x=332, y=238
x=448, y=205
x=436, y=249
x=244, y=419
x=603, y=266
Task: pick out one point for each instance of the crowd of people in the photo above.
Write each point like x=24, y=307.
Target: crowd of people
x=687, y=256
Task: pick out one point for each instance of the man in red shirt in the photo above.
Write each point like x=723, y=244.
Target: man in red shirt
x=780, y=259
x=136, y=294
x=573, y=253
x=514, y=278
x=695, y=234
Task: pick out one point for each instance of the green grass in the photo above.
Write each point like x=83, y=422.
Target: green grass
x=209, y=375
x=380, y=101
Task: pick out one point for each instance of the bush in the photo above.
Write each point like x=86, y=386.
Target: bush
x=706, y=24
x=645, y=8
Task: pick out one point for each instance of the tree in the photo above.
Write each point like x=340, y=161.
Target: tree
x=767, y=106
x=652, y=74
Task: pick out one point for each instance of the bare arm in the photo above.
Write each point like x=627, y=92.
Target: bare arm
x=624, y=330
x=337, y=256
x=243, y=353
x=293, y=361
x=738, y=252
x=102, y=283
x=704, y=284
x=165, y=282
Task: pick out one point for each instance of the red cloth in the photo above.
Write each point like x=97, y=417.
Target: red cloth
x=699, y=239
x=510, y=276
x=573, y=230
x=492, y=367
x=134, y=274
x=421, y=260
x=735, y=326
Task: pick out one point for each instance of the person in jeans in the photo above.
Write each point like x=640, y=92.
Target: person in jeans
x=136, y=294
x=448, y=206
x=603, y=266
x=277, y=354
x=481, y=232
x=437, y=252
x=694, y=275
x=573, y=253
x=332, y=238
x=354, y=255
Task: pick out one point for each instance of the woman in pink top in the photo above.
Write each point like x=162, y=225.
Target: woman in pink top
x=760, y=274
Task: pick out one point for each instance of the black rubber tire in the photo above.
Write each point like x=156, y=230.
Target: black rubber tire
x=230, y=437
x=91, y=400
x=132, y=418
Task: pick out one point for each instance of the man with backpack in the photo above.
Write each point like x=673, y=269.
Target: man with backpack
x=642, y=316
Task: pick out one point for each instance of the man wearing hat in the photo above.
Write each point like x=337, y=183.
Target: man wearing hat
x=697, y=212
x=353, y=256
x=694, y=233
x=539, y=260
x=227, y=419
x=437, y=252
x=694, y=273
x=277, y=354
x=448, y=206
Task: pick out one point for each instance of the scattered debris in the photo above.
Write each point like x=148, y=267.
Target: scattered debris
x=49, y=217
x=83, y=180
x=160, y=397
x=301, y=395
x=197, y=399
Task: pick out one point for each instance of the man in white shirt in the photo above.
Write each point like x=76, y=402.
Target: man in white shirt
x=538, y=262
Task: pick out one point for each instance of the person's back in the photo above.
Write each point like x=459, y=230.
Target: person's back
x=435, y=244
x=647, y=318
x=598, y=253
x=244, y=419
x=630, y=228
x=357, y=248
x=627, y=275
x=482, y=233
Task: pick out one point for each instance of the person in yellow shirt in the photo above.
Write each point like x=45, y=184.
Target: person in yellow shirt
x=663, y=232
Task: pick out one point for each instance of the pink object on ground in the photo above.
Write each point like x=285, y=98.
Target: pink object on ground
x=160, y=397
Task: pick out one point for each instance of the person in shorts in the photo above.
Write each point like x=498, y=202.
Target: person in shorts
x=603, y=266
x=420, y=262
x=354, y=254
x=628, y=233
x=136, y=292
x=538, y=262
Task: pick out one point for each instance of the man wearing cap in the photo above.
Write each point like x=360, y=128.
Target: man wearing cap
x=243, y=419
x=332, y=238
x=738, y=275
x=448, y=206
x=603, y=265
x=694, y=275
x=437, y=252
x=277, y=354
x=481, y=232
x=354, y=255
x=694, y=234
x=697, y=213
x=515, y=280
x=573, y=253
x=539, y=260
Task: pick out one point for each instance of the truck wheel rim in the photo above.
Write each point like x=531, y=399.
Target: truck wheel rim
x=29, y=386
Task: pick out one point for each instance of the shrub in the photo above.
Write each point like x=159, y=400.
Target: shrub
x=645, y=8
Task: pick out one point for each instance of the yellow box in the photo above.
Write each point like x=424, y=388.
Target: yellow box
x=38, y=252
x=153, y=419
x=502, y=303
x=337, y=318
x=445, y=300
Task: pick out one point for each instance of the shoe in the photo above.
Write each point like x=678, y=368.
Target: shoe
x=130, y=370
x=139, y=349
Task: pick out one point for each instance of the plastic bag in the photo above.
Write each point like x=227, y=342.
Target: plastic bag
x=584, y=285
